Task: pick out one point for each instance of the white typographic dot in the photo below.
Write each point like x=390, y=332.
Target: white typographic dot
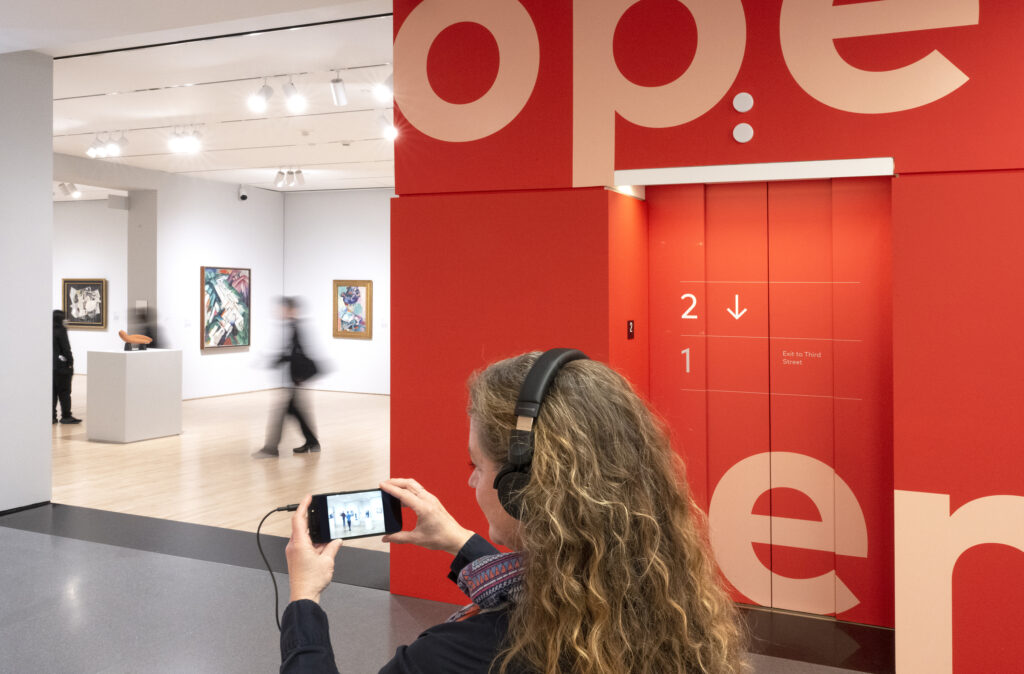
x=742, y=102
x=743, y=133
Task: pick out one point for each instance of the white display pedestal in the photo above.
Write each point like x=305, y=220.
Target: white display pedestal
x=133, y=395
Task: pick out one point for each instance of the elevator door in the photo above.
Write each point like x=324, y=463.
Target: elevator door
x=771, y=345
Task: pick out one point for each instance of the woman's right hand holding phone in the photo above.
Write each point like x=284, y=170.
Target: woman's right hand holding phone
x=435, y=528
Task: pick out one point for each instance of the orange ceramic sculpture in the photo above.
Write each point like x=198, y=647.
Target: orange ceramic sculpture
x=134, y=339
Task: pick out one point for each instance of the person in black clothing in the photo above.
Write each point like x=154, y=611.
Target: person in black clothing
x=610, y=571
x=63, y=369
x=301, y=369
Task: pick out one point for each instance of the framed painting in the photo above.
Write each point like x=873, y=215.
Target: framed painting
x=225, y=296
x=85, y=303
x=353, y=309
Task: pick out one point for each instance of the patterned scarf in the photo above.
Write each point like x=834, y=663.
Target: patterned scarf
x=490, y=582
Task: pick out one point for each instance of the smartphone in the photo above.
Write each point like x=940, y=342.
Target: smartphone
x=353, y=514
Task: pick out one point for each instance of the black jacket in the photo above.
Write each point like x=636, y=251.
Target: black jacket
x=301, y=367
x=465, y=647
x=61, y=346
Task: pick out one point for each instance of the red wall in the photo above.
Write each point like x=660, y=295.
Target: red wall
x=628, y=289
x=959, y=385
x=481, y=277
x=608, y=87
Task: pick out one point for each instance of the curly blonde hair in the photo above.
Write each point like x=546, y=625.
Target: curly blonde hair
x=618, y=573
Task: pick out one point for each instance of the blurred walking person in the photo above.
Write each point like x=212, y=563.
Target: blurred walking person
x=301, y=368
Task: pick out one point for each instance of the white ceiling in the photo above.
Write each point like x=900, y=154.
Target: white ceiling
x=60, y=27
x=150, y=92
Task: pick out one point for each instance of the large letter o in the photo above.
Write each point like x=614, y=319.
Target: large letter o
x=518, y=64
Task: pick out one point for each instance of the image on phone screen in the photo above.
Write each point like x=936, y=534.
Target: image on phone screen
x=353, y=515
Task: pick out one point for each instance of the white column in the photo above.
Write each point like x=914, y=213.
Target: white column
x=26, y=265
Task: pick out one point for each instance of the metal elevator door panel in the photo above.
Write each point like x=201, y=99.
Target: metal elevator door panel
x=771, y=360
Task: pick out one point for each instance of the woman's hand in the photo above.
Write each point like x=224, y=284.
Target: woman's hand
x=310, y=567
x=435, y=528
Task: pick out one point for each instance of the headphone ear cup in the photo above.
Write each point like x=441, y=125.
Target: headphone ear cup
x=510, y=483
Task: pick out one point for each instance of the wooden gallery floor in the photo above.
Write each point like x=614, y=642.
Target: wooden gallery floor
x=206, y=474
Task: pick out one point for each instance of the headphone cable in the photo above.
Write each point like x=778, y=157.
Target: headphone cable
x=287, y=508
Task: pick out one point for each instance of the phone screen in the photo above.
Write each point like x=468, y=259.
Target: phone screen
x=353, y=514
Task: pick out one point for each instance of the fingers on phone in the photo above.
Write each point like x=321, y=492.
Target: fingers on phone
x=300, y=518
x=397, y=537
x=402, y=489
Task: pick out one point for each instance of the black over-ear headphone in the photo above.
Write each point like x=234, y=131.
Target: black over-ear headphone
x=515, y=475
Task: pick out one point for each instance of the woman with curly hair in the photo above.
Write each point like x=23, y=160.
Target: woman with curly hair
x=611, y=572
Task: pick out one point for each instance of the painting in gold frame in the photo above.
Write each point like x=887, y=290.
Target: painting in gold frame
x=353, y=309
x=85, y=303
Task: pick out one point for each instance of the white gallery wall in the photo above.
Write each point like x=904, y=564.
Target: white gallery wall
x=90, y=242
x=200, y=222
x=203, y=223
x=26, y=261
x=341, y=235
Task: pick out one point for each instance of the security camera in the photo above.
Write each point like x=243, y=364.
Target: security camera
x=242, y=194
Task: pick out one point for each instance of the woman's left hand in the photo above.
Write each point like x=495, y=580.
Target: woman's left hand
x=310, y=567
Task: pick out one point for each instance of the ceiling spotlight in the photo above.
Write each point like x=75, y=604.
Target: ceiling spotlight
x=98, y=149
x=384, y=91
x=289, y=178
x=295, y=101
x=112, y=147
x=387, y=129
x=338, y=90
x=73, y=190
x=299, y=178
x=64, y=189
x=279, y=178
x=258, y=100
x=185, y=142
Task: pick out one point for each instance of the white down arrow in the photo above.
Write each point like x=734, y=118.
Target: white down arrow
x=738, y=312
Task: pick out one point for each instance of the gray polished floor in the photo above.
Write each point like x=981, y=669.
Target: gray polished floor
x=80, y=607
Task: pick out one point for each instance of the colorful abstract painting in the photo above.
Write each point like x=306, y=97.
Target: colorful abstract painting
x=226, y=306
x=353, y=309
x=85, y=303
